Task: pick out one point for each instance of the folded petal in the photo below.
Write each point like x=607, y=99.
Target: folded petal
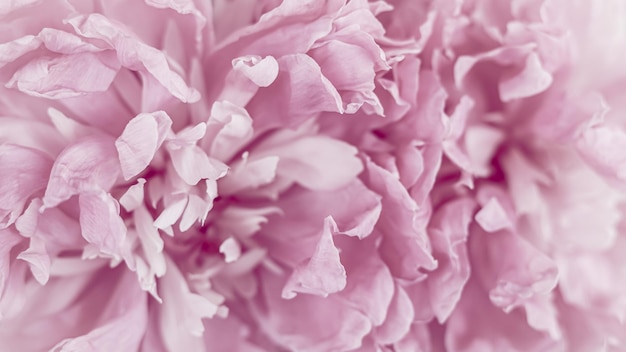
x=182, y=312
x=315, y=162
x=23, y=173
x=38, y=259
x=89, y=165
x=134, y=54
x=405, y=246
x=124, y=330
x=140, y=140
x=66, y=76
x=300, y=91
x=448, y=232
x=323, y=273
x=101, y=223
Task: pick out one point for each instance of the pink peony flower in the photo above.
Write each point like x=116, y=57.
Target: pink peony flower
x=312, y=175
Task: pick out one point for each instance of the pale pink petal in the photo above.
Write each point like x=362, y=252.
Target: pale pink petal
x=602, y=148
x=66, y=76
x=315, y=162
x=228, y=130
x=124, y=330
x=282, y=320
x=182, y=312
x=171, y=213
x=134, y=54
x=449, y=233
x=38, y=259
x=86, y=166
x=101, y=223
x=405, y=246
x=249, y=174
x=14, y=5
x=532, y=80
x=492, y=217
x=261, y=72
x=8, y=239
x=150, y=240
x=398, y=321
x=513, y=269
x=307, y=90
x=192, y=165
x=231, y=250
x=140, y=140
x=23, y=173
x=323, y=273
x=370, y=285
x=134, y=196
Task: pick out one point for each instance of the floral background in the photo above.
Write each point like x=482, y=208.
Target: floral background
x=312, y=175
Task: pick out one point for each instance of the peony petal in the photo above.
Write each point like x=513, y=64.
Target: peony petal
x=315, y=162
x=249, y=174
x=192, y=165
x=492, y=217
x=309, y=92
x=284, y=324
x=261, y=72
x=182, y=312
x=23, y=173
x=449, y=231
x=101, y=223
x=405, y=246
x=323, y=273
x=134, y=196
x=231, y=250
x=86, y=166
x=66, y=76
x=124, y=331
x=140, y=140
x=134, y=54
x=398, y=321
x=601, y=147
x=532, y=80
x=38, y=259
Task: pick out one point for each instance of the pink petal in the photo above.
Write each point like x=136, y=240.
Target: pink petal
x=140, y=140
x=602, y=148
x=231, y=250
x=405, y=246
x=182, y=312
x=101, y=223
x=315, y=162
x=134, y=54
x=449, y=231
x=124, y=331
x=86, y=166
x=282, y=320
x=261, y=72
x=23, y=173
x=249, y=174
x=8, y=239
x=134, y=196
x=150, y=240
x=38, y=259
x=492, y=217
x=308, y=91
x=398, y=321
x=323, y=273
x=532, y=80
x=66, y=76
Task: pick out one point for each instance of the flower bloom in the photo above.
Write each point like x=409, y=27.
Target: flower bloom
x=312, y=175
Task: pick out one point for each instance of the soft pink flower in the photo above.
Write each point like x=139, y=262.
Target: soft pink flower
x=312, y=175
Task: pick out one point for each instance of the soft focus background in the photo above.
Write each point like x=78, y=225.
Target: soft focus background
x=313, y=175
